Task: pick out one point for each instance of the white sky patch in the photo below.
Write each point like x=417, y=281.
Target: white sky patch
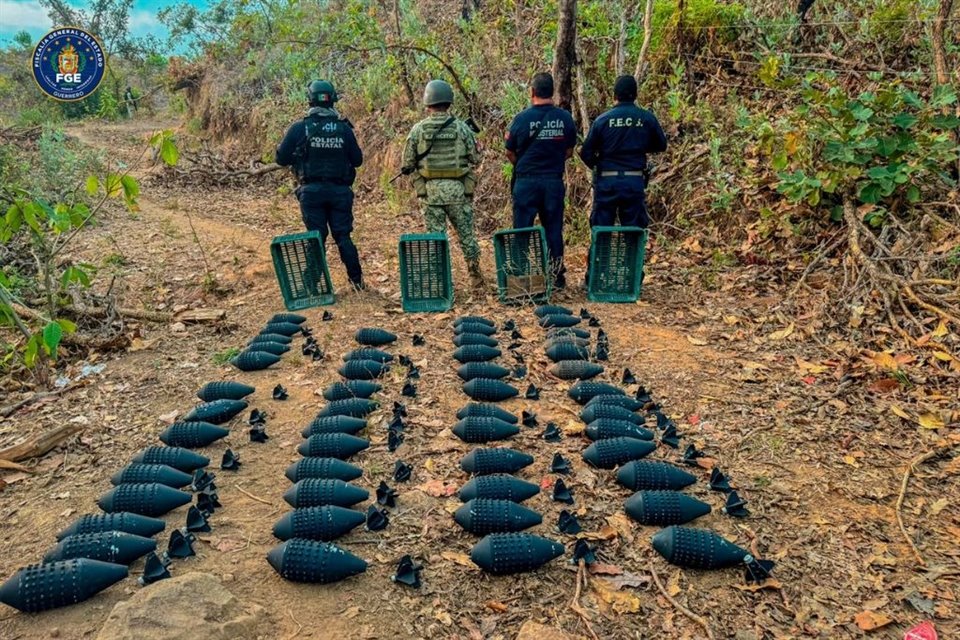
x=23, y=14
x=141, y=22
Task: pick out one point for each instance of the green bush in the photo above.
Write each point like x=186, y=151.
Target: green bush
x=880, y=148
x=700, y=18
x=61, y=166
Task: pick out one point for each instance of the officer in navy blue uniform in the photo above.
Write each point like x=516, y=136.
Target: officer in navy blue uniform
x=540, y=140
x=616, y=149
x=325, y=155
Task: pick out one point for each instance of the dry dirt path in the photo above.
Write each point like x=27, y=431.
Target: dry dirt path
x=829, y=524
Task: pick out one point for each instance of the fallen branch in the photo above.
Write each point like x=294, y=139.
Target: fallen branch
x=13, y=466
x=39, y=445
x=903, y=495
x=253, y=497
x=188, y=315
x=813, y=263
x=889, y=284
x=575, y=603
x=11, y=409
x=679, y=607
x=98, y=312
x=224, y=175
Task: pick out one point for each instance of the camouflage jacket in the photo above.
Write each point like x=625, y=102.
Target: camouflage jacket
x=451, y=157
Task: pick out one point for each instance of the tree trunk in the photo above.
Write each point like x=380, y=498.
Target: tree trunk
x=939, y=47
x=402, y=55
x=940, y=56
x=622, y=41
x=641, y=70
x=581, y=100
x=565, y=56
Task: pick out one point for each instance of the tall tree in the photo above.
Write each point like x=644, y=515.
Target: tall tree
x=640, y=71
x=565, y=55
x=940, y=64
x=109, y=20
x=939, y=46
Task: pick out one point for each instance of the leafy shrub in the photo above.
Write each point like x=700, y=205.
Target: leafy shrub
x=878, y=148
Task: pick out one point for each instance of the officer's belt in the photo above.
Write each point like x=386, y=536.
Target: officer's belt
x=324, y=181
x=540, y=174
x=620, y=174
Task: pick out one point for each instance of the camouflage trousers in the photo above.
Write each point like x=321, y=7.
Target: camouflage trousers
x=445, y=201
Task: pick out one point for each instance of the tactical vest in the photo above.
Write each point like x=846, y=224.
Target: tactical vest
x=448, y=153
x=325, y=154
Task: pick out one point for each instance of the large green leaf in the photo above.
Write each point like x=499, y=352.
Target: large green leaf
x=169, y=152
x=779, y=161
x=131, y=190
x=945, y=122
x=52, y=334
x=904, y=120
x=67, y=325
x=861, y=112
x=30, y=215
x=32, y=350
x=888, y=146
x=943, y=96
x=870, y=193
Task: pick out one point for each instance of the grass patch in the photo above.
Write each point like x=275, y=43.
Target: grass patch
x=225, y=356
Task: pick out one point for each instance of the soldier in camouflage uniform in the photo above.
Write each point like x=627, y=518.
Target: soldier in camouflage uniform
x=441, y=154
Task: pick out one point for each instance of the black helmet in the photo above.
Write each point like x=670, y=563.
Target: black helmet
x=321, y=92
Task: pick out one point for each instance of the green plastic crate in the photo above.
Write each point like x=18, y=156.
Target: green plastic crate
x=616, y=264
x=523, y=270
x=301, y=267
x=426, y=281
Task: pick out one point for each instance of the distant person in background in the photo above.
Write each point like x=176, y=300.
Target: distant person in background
x=440, y=154
x=325, y=155
x=131, y=101
x=539, y=141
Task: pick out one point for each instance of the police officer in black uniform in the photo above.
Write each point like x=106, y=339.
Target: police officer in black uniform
x=539, y=141
x=325, y=155
x=616, y=149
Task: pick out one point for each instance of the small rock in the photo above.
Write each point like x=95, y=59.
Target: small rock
x=178, y=327
x=193, y=605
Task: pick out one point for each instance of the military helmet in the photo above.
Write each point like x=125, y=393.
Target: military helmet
x=437, y=92
x=321, y=91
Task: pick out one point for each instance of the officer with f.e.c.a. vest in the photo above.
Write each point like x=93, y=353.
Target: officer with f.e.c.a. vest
x=325, y=155
x=616, y=149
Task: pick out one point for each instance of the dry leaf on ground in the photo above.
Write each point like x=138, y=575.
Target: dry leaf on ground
x=870, y=620
x=782, y=334
x=461, y=559
x=619, y=601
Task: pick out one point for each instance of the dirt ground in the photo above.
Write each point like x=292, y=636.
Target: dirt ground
x=794, y=417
